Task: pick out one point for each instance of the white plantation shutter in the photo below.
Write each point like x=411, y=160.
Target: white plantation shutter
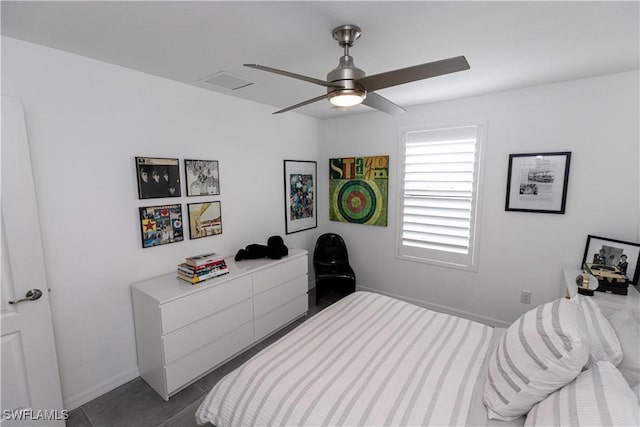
x=439, y=195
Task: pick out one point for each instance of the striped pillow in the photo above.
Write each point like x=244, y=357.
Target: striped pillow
x=627, y=329
x=545, y=349
x=605, y=345
x=598, y=397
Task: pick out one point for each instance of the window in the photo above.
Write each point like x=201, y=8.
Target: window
x=439, y=195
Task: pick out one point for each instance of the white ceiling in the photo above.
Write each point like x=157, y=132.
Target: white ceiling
x=508, y=44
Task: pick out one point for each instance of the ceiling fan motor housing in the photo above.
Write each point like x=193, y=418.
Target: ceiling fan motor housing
x=345, y=75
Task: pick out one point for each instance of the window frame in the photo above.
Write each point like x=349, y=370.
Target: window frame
x=470, y=261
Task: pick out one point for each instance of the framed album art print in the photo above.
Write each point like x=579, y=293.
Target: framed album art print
x=161, y=225
x=205, y=219
x=157, y=177
x=202, y=177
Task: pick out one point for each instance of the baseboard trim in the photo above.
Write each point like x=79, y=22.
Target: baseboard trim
x=442, y=308
x=98, y=390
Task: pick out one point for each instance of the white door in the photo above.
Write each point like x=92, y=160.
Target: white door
x=30, y=392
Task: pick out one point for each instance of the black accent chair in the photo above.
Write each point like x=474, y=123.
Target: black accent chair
x=331, y=265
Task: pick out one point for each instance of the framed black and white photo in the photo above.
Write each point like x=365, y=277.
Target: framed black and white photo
x=161, y=225
x=300, y=195
x=205, y=219
x=617, y=257
x=537, y=182
x=202, y=177
x=157, y=177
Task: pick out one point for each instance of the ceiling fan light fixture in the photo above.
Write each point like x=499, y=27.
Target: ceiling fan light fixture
x=348, y=86
x=347, y=97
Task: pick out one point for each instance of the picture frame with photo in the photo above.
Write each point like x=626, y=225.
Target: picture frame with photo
x=617, y=257
x=158, y=177
x=161, y=225
x=300, y=195
x=202, y=177
x=205, y=219
x=537, y=182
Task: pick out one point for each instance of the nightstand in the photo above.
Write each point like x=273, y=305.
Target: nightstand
x=608, y=303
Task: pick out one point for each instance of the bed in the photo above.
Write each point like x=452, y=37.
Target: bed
x=372, y=360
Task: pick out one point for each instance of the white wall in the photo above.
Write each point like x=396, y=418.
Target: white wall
x=86, y=122
x=596, y=119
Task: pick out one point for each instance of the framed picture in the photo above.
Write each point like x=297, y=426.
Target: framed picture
x=358, y=190
x=161, y=225
x=616, y=257
x=300, y=195
x=205, y=219
x=537, y=182
x=157, y=177
x=202, y=177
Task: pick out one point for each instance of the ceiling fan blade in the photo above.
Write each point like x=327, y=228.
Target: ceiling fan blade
x=309, y=101
x=411, y=74
x=288, y=74
x=381, y=103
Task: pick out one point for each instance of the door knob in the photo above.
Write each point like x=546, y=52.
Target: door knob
x=32, y=295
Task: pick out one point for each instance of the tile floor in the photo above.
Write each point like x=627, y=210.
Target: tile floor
x=136, y=404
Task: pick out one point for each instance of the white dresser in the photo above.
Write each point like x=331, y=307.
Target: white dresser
x=608, y=303
x=184, y=331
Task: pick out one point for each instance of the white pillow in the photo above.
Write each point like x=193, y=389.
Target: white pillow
x=545, y=349
x=598, y=397
x=605, y=345
x=627, y=328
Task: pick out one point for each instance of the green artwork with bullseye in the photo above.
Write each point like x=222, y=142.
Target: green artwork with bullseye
x=358, y=188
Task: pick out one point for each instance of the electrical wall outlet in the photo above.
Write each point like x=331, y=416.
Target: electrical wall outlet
x=525, y=297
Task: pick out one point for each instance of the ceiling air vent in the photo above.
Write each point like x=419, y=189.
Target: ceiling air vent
x=224, y=80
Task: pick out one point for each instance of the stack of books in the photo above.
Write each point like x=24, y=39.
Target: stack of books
x=198, y=268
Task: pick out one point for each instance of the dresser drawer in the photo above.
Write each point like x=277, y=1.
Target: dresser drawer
x=183, y=311
x=196, y=335
x=193, y=365
x=278, y=274
x=279, y=317
x=277, y=296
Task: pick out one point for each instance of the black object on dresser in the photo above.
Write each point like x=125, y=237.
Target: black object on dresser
x=331, y=265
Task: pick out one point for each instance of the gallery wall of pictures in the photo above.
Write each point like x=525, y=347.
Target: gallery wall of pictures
x=159, y=178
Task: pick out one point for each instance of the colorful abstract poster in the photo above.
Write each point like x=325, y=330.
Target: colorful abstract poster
x=358, y=190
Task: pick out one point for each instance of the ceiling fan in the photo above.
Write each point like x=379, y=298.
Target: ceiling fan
x=347, y=85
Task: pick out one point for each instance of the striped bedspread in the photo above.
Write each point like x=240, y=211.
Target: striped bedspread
x=368, y=360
